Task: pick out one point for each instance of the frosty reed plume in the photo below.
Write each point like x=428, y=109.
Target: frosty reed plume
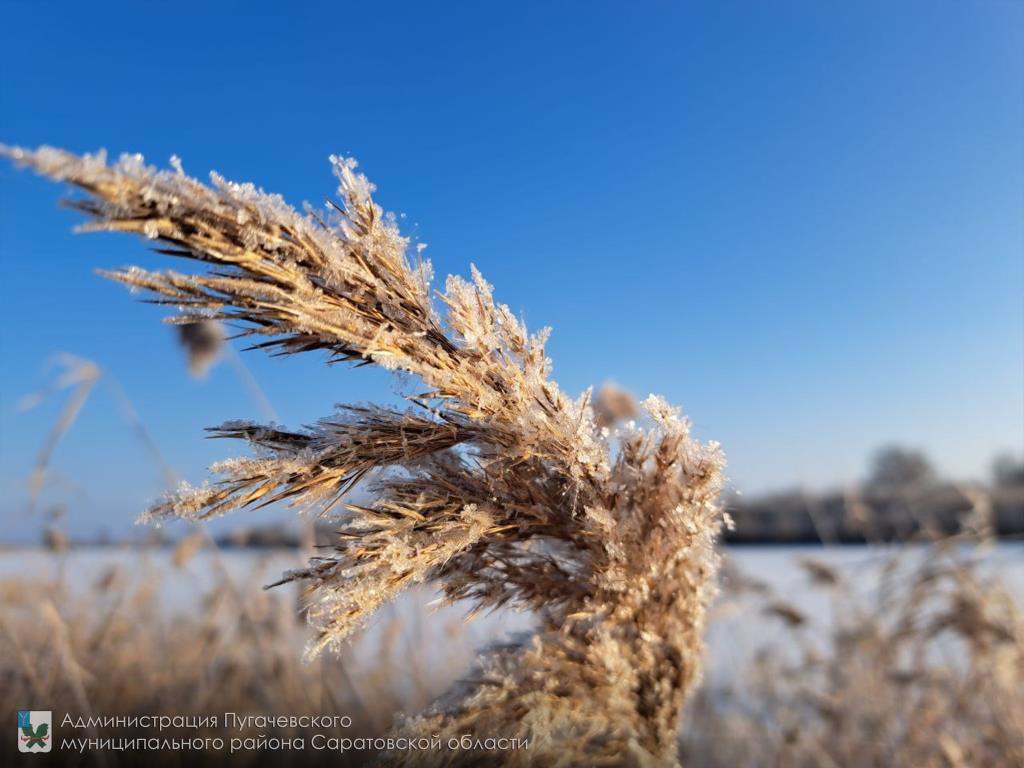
x=494, y=486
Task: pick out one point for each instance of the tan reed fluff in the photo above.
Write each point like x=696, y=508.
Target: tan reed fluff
x=112, y=640
x=203, y=343
x=922, y=670
x=613, y=405
x=495, y=486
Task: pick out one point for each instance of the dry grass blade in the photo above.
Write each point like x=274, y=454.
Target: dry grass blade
x=83, y=376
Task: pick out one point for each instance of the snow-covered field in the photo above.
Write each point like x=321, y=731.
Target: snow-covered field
x=737, y=628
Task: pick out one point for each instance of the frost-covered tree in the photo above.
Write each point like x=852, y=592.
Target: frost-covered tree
x=895, y=467
x=1008, y=471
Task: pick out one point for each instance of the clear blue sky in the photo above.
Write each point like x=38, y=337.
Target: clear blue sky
x=802, y=221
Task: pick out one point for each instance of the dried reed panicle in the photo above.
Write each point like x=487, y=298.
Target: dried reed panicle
x=203, y=343
x=923, y=670
x=613, y=405
x=115, y=640
x=502, y=490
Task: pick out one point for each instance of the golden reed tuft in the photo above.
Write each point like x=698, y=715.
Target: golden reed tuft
x=495, y=486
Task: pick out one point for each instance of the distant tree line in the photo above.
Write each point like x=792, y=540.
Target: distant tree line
x=902, y=497
x=895, y=466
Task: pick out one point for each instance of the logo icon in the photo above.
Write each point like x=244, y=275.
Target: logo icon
x=34, y=730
